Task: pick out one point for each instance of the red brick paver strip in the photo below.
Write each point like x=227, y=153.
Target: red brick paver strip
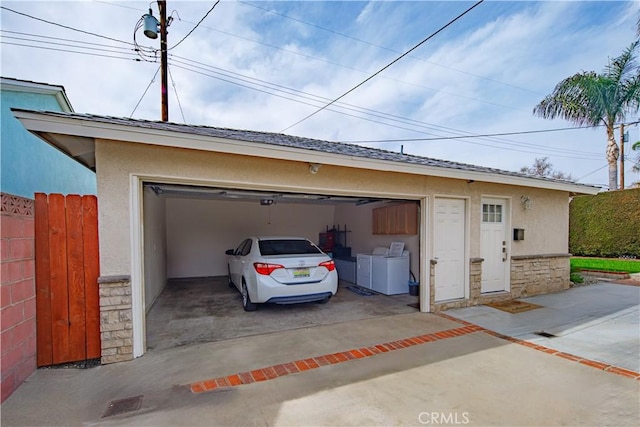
x=271, y=372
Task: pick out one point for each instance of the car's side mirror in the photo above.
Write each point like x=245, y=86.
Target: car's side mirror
x=230, y=252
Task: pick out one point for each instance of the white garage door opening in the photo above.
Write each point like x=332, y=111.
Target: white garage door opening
x=187, y=229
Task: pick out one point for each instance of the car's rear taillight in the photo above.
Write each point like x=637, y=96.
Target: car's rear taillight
x=329, y=265
x=266, y=269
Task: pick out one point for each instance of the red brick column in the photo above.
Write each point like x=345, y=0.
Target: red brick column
x=18, y=297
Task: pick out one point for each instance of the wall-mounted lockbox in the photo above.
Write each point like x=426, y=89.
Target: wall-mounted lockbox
x=518, y=234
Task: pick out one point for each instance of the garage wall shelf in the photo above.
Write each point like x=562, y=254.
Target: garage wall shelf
x=333, y=237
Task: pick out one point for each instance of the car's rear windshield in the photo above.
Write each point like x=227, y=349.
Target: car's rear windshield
x=287, y=247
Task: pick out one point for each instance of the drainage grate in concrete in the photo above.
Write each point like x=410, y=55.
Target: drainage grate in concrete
x=545, y=334
x=123, y=405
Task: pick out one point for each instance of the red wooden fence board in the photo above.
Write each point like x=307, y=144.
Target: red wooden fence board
x=75, y=278
x=43, y=297
x=67, y=269
x=91, y=273
x=59, y=288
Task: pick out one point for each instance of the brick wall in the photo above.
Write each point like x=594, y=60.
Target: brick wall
x=18, y=296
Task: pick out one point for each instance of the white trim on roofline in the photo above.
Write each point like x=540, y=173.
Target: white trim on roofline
x=77, y=127
x=35, y=87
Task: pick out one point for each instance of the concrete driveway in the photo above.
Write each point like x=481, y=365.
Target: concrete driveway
x=599, y=322
x=402, y=369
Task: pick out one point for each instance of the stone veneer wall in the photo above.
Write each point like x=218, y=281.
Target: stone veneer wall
x=116, y=325
x=539, y=274
x=18, y=297
x=530, y=275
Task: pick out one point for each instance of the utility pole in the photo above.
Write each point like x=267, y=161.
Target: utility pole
x=162, y=7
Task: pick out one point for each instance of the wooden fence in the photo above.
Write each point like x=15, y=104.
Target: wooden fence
x=67, y=269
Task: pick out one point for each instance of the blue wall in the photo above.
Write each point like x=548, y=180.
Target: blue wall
x=28, y=164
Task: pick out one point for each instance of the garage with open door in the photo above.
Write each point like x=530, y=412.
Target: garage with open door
x=187, y=230
x=483, y=235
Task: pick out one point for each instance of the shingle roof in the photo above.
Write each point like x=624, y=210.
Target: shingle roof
x=280, y=139
x=8, y=80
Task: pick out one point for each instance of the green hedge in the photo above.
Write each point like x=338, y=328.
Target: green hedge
x=605, y=225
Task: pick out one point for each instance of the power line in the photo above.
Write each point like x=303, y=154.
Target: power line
x=592, y=172
x=110, y=49
x=545, y=152
x=175, y=90
x=305, y=95
x=345, y=106
x=525, y=132
x=243, y=77
x=150, y=54
x=70, y=51
x=63, y=26
x=385, y=116
x=315, y=58
x=63, y=39
x=383, y=47
x=153, y=79
x=387, y=66
x=194, y=28
x=349, y=107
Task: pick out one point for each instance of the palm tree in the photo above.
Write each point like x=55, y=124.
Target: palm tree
x=591, y=99
x=636, y=166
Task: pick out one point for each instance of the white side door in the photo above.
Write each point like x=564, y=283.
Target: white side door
x=494, y=246
x=449, y=248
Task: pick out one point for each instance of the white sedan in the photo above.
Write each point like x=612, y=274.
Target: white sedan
x=281, y=270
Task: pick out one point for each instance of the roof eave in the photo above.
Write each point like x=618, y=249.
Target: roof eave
x=43, y=88
x=63, y=131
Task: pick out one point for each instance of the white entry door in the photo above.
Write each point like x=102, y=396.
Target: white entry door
x=449, y=249
x=493, y=246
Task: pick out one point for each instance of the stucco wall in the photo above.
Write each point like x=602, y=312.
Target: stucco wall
x=200, y=231
x=29, y=164
x=155, y=246
x=545, y=224
x=116, y=161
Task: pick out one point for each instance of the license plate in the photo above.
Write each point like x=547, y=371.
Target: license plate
x=300, y=272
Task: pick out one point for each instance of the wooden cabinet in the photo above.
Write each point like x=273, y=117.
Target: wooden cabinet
x=379, y=221
x=396, y=219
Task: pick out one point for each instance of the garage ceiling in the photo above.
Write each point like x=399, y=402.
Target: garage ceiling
x=263, y=197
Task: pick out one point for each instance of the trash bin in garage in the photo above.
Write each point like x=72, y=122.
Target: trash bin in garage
x=414, y=287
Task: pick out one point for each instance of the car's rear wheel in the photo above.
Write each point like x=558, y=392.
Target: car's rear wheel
x=246, y=300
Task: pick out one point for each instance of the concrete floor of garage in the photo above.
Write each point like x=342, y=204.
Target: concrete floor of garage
x=198, y=310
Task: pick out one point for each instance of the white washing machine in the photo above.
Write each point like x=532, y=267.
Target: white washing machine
x=390, y=275
x=364, y=266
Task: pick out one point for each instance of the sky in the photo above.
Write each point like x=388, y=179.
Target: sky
x=267, y=65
